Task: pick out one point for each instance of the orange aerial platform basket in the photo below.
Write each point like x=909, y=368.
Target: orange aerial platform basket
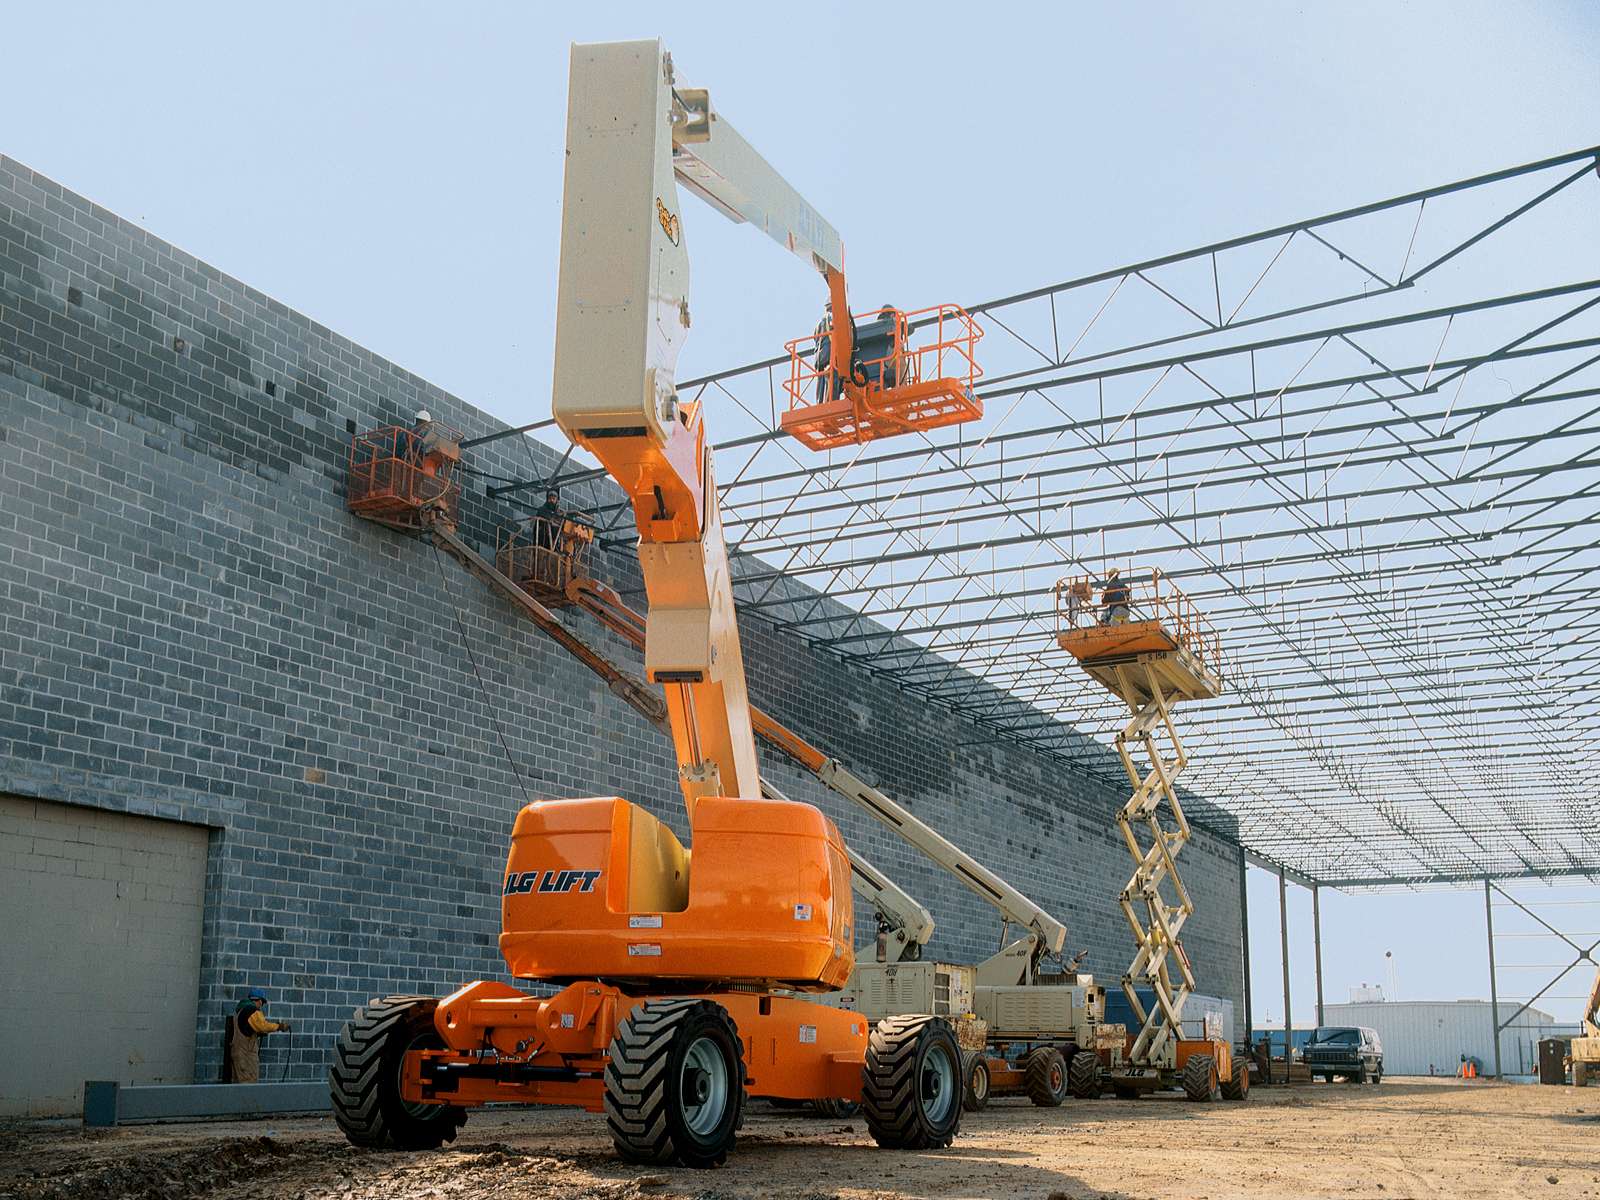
x=543, y=554
x=404, y=477
x=893, y=386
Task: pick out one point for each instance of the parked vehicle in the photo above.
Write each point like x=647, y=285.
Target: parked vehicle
x=1351, y=1051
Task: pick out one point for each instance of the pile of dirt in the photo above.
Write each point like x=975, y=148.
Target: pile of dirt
x=179, y=1175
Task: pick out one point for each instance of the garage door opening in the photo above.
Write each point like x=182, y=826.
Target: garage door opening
x=100, y=920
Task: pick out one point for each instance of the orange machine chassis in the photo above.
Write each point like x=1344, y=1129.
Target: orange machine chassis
x=504, y=1046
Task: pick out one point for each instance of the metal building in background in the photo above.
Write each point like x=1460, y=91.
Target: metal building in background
x=1428, y=1037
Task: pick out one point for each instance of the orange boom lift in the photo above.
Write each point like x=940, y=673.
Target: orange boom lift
x=682, y=970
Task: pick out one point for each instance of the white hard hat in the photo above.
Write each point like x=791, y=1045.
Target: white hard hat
x=424, y=416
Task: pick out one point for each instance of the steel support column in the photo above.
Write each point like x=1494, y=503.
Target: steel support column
x=1283, y=930
x=1494, y=991
x=1244, y=942
x=1316, y=941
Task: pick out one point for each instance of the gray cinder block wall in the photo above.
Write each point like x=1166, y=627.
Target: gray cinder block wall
x=195, y=629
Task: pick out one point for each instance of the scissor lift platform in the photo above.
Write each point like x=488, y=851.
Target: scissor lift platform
x=1145, y=642
x=1118, y=657
x=1156, y=632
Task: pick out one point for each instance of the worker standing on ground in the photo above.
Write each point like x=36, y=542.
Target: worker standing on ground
x=241, y=1059
x=1114, y=597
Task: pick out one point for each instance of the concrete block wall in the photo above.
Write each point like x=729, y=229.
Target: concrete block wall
x=192, y=626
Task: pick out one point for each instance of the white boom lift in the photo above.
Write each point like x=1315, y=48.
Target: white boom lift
x=1586, y=1047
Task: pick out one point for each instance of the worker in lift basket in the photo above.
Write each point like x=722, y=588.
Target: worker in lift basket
x=241, y=1047
x=415, y=442
x=1114, y=598
x=824, y=351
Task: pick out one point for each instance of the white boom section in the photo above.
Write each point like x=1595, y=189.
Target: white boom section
x=714, y=162
x=1043, y=932
x=623, y=295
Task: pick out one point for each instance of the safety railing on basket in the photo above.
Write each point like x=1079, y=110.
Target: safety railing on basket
x=401, y=476
x=1086, y=601
x=543, y=553
x=908, y=371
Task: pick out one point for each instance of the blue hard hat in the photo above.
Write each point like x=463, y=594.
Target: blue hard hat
x=257, y=994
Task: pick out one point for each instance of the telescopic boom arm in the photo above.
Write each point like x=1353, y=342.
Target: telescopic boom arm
x=622, y=315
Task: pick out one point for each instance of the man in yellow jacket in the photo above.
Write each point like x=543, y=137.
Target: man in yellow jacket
x=241, y=1047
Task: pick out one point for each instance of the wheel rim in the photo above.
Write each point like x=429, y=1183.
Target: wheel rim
x=1058, y=1077
x=938, y=1085
x=703, y=1086
x=421, y=1112
x=980, y=1081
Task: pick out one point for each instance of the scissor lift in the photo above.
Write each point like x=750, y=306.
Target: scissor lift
x=1145, y=642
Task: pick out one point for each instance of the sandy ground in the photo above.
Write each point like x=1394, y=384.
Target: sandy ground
x=1396, y=1140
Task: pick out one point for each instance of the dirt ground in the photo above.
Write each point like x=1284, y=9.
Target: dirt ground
x=1395, y=1140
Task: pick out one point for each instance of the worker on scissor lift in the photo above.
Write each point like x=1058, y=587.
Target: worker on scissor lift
x=1115, y=596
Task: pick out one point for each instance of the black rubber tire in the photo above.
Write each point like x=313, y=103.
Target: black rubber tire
x=1200, y=1079
x=1377, y=1077
x=838, y=1110
x=1327, y=1077
x=1360, y=1076
x=648, y=1072
x=1237, y=1088
x=910, y=1061
x=1083, y=1075
x=364, y=1080
x=1044, y=1077
x=975, y=1095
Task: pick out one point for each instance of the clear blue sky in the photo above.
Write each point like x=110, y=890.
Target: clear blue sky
x=394, y=171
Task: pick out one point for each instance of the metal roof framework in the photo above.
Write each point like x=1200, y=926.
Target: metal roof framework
x=1367, y=444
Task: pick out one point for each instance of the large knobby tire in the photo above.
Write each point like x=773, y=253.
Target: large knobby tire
x=675, y=1083
x=1200, y=1078
x=975, y=1096
x=911, y=1083
x=364, y=1080
x=1044, y=1077
x=1237, y=1088
x=1083, y=1075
